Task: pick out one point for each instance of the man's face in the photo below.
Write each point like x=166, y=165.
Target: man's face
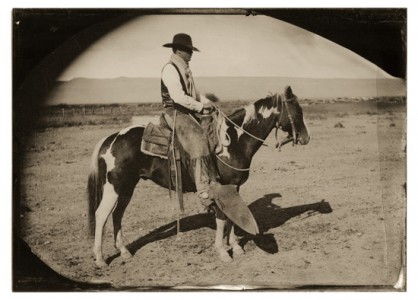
x=186, y=55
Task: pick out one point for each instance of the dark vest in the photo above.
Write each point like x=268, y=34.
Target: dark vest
x=165, y=95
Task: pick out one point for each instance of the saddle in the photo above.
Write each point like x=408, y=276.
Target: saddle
x=156, y=139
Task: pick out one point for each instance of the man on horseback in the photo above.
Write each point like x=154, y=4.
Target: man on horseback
x=183, y=103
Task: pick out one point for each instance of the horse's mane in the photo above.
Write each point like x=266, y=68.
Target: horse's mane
x=238, y=115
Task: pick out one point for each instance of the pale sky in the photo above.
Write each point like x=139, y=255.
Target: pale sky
x=230, y=45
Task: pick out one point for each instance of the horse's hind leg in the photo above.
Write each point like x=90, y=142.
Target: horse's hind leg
x=117, y=215
x=107, y=205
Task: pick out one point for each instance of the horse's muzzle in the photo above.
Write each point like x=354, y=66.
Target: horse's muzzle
x=300, y=139
x=303, y=140
x=303, y=136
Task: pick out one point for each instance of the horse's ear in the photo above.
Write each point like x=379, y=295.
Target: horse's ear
x=288, y=92
x=212, y=97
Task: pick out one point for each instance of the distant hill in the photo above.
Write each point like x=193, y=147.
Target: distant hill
x=139, y=90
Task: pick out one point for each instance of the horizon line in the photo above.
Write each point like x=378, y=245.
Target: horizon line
x=228, y=76
x=310, y=99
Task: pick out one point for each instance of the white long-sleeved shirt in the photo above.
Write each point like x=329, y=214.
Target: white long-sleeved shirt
x=171, y=79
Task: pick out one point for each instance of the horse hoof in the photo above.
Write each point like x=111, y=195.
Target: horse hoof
x=238, y=251
x=224, y=256
x=179, y=236
x=100, y=263
x=126, y=255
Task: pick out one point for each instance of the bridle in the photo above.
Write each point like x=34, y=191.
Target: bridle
x=292, y=123
x=278, y=126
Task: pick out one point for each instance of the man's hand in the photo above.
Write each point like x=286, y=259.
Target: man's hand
x=208, y=108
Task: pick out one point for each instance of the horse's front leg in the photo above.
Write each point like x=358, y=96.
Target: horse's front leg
x=219, y=242
x=232, y=239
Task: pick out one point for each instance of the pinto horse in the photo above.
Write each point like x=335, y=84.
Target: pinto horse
x=118, y=165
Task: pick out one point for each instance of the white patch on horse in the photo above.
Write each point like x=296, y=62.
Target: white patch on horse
x=224, y=138
x=250, y=114
x=239, y=131
x=109, y=159
x=110, y=197
x=266, y=112
x=224, y=152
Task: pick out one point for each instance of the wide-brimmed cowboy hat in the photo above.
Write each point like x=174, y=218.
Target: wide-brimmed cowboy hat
x=182, y=40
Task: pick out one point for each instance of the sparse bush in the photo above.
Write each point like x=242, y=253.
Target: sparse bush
x=316, y=117
x=341, y=115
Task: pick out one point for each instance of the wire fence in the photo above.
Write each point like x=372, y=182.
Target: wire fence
x=90, y=114
x=97, y=110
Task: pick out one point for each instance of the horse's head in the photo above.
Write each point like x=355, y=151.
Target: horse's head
x=291, y=118
x=258, y=119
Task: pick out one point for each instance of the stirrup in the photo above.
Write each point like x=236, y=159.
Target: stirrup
x=204, y=195
x=205, y=199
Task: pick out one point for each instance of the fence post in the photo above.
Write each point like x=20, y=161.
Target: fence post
x=84, y=111
x=63, y=112
x=103, y=109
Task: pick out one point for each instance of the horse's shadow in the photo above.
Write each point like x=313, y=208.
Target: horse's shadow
x=267, y=215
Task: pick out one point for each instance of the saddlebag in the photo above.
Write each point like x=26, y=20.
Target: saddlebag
x=156, y=141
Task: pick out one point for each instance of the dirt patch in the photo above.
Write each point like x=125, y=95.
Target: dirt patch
x=331, y=212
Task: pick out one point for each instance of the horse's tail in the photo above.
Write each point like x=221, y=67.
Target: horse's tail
x=95, y=188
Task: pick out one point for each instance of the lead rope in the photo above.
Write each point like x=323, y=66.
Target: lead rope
x=180, y=210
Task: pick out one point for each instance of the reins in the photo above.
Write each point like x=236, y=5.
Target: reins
x=232, y=167
x=278, y=125
x=241, y=128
